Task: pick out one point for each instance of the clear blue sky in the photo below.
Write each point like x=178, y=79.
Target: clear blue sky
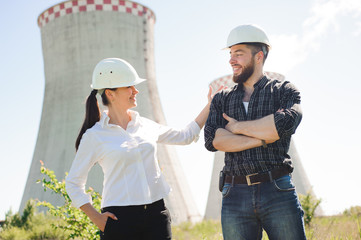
x=316, y=45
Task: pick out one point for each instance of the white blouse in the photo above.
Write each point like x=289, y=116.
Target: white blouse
x=128, y=158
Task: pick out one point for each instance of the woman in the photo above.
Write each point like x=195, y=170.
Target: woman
x=125, y=145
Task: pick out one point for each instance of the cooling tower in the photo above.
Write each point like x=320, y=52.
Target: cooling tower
x=299, y=177
x=76, y=35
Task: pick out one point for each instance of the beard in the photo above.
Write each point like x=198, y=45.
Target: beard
x=246, y=73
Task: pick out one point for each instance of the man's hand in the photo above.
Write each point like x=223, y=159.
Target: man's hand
x=263, y=128
x=226, y=141
x=231, y=125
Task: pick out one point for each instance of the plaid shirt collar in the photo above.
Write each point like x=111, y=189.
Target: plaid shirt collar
x=260, y=84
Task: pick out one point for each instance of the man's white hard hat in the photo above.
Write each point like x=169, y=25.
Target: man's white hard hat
x=114, y=73
x=247, y=33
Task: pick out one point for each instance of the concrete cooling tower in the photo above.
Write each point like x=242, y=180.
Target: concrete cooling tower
x=299, y=177
x=76, y=35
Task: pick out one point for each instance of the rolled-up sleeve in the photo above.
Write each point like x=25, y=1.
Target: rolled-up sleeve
x=187, y=135
x=78, y=174
x=289, y=115
x=215, y=120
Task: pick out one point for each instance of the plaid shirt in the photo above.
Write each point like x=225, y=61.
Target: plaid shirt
x=269, y=96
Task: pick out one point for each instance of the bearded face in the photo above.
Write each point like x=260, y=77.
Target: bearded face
x=246, y=73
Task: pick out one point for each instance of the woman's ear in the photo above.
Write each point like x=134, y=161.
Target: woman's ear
x=109, y=94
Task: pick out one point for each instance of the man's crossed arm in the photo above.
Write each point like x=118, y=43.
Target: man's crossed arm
x=241, y=135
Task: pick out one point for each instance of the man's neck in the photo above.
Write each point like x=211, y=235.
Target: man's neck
x=252, y=80
x=248, y=86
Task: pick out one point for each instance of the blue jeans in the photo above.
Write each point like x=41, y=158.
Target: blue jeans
x=272, y=206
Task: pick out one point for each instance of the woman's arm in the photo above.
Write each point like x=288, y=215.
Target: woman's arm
x=190, y=133
x=203, y=115
x=85, y=159
x=99, y=219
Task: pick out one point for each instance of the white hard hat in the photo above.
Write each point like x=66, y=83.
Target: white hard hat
x=114, y=73
x=247, y=34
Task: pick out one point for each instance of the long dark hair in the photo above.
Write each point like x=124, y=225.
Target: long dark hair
x=92, y=113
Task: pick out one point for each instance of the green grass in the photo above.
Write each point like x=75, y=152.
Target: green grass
x=342, y=227
x=335, y=228
x=322, y=228
x=205, y=230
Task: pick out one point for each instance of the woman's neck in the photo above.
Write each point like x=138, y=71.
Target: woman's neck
x=119, y=117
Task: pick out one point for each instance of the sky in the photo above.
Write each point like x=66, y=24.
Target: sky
x=315, y=44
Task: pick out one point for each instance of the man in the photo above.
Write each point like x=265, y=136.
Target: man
x=253, y=123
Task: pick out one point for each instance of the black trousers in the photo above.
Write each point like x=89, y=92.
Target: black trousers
x=140, y=222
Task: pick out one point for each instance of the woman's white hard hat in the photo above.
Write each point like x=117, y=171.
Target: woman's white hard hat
x=114, y=73
x=247, y=33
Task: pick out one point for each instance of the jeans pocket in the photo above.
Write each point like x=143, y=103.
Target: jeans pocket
x=284, y=184
x=226, y=190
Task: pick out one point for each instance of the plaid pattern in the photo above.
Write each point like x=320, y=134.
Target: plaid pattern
x=269, y=96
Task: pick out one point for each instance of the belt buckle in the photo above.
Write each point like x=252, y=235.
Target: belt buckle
x=249, y=183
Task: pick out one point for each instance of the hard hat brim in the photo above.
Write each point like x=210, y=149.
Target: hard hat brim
x=228, y=48
x=137, y=81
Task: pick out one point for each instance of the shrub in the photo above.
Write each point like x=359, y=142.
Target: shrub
x=75, y=221
x=353, y=211
x=309, y=204
x=30, y=225
x=23, y=221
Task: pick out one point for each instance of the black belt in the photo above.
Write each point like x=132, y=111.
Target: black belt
x=257, y=178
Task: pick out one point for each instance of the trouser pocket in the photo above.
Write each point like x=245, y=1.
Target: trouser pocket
x=106, y=229
x=284, y=184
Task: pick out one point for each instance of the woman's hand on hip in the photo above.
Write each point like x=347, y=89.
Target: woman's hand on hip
x=101, y=221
